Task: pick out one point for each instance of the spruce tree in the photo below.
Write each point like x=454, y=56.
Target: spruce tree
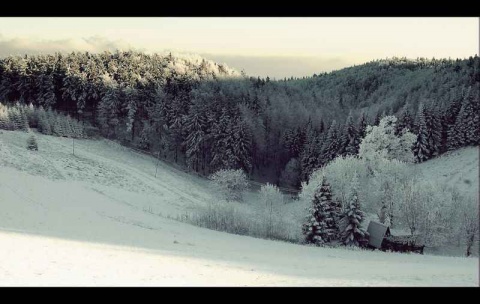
x=420, y=148
x=32, y=143
x=405, y=121
x=331, y=145
x=352, y=233
x=362, y=126
x=470, y=117
x=433, y=129
x=58, y=128
x=350, y=139
x=242, y=145
x=321, y=226
x=4, y=120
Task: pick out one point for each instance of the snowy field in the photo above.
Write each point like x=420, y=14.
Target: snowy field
x=101, y=218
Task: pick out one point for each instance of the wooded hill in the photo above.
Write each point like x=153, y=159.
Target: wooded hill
x=207, y=116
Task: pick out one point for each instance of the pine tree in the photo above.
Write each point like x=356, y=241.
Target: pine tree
x=32, y=143
x=362, y=126
x=350, y=139
x=470, y=117
x=310, y=157
x=13, y=118
x=242, y=145
x=195, y=126
x=58, y=128
x=4, y=120
x=321, y=225
x=331, y=145
x=405, y=120
x=68, y=126
x=352, y=233
x=420, y=148
x=433, y=128
x=45, y=121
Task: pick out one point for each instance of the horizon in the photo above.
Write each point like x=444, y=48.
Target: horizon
x=274, y=47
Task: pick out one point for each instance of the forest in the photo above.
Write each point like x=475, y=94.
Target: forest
x=206, y=116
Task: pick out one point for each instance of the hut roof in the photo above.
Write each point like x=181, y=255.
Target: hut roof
x=377, y=232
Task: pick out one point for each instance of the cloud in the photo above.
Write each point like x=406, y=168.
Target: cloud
x=95, y=44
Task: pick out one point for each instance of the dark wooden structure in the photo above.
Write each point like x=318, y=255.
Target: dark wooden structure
x=381, y=238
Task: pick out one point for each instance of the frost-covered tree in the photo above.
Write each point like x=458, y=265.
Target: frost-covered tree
x=230, y=184
x=405, y=120
x=311, y=155
x=352, y=233
x=381, y=142
x=362, y=126
x=468, y=218
x=331, y=145
x=271, y=198
x=421, y=148
x=4, y=119
x=350, y=140
x=321, y=226
x=242, y=144
x=58, y=127
x=44, y=122
x=195, y=126
x=433, y=130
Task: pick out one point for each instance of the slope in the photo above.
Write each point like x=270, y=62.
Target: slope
x=101, y=218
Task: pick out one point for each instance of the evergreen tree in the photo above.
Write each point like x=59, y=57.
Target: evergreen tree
x=350, y=138
x=4, y=120
x=352, y=232
x=32, y=143
x=321, y=225
x=331, y=145
x=405, y=120
x=68, y=126
x=58, y=127
x=310, y=157
x=470, y=117
x=362, y=126
x=195, y=125
x=433, y=128
x=420, y=149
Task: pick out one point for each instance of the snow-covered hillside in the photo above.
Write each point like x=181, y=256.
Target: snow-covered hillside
x=102, y=218
x=459, y=168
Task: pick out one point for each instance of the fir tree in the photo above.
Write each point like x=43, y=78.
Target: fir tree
x=242, y=145
x=362, y=126
x=4, y=120
x=420, y=148
x=352, y=233
x=405, y=121
x=32, y=143
x=321, y=225
x=331, y=145
x=58, y=127
x=433, y=129
x=350, y=139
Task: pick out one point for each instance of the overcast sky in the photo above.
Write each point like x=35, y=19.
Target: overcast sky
x=278, y=47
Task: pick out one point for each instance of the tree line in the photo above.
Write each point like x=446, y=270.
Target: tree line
x=207, y=116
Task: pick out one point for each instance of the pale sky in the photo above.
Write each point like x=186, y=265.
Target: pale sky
x=278, y=47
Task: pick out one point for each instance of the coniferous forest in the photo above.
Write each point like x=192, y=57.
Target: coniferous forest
x=206, y=116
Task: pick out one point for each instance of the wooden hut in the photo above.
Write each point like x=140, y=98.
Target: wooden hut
x=377, y=233
x=381, y=238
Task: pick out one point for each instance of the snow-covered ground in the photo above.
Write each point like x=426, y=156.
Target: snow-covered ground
x=101, y=218
x=459, y=168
